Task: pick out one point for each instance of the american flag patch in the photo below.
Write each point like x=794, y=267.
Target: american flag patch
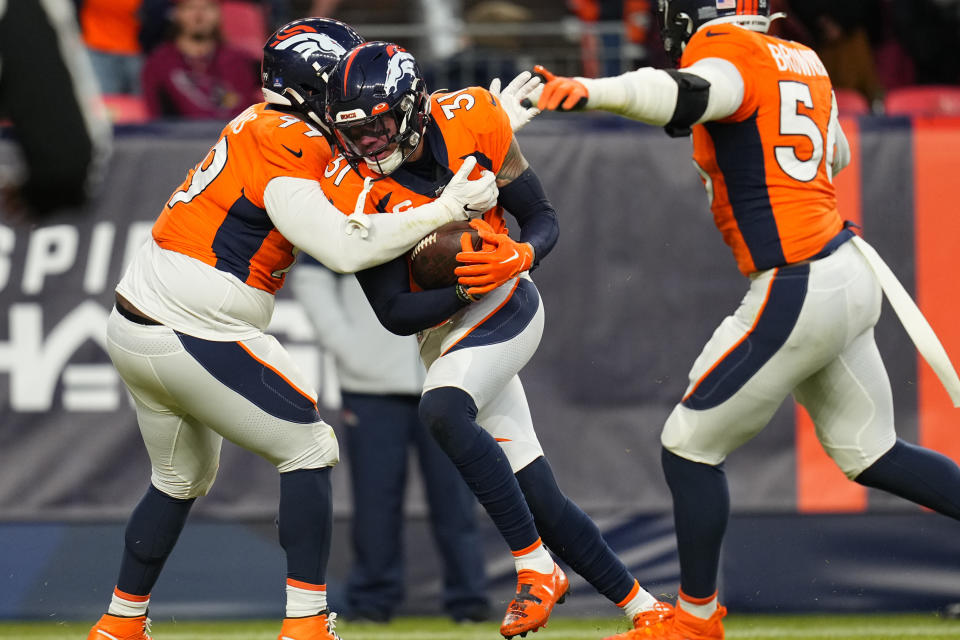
x=726, y=4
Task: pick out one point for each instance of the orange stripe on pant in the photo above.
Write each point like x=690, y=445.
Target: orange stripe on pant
x=821, y=486
x=937, y=236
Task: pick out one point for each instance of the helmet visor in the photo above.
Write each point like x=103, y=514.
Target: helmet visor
x=374, y=138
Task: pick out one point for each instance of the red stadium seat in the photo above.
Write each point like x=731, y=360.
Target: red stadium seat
x=125, y=109
x=851, y=102
x=244, y=26
x=932, y=100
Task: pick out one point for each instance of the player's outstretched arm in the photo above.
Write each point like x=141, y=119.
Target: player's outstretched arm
x=348, y=243
x=560, y=93
x=710, y=89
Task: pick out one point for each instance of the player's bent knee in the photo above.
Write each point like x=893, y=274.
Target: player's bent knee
x=853, y=457
x=853, y=462
x=692, y=454
x=183, y=486
x=447, y=412
x=685, y=436
x=320, y=449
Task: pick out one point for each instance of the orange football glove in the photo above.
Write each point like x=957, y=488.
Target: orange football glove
x=560, y=93
x=483, y=271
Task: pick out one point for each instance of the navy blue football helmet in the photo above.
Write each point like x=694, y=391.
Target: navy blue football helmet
x=296, y=60
x=680, y=19
x=377, y=105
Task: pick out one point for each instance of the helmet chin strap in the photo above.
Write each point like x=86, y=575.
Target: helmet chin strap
x=389, y=164
x=297, y=101
x=396, y=158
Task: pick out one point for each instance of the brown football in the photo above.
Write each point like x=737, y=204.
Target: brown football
x=434, y=258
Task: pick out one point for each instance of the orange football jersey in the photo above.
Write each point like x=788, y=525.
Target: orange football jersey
x=463, y=123
x=767, y=167
x=217, y=214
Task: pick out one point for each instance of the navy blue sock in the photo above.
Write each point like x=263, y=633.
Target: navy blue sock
x=152, y=531
x=306, y=523
x=571, y=534
x=920, y=475
x=451, y=414
x=701, y=507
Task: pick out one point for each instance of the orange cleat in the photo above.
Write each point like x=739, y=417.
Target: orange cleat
x=318, y=627
x=110, y=627
x=664, y=622
x=648, y=622
x=537, y=593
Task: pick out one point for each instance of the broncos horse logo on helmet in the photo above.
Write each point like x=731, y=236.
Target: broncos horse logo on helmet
x=308, y=44
x=377, y=106
x=680, y=19
x=399, y=65
x=296, y=60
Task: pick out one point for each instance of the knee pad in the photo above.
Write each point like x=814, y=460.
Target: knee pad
x=322, y=450
x=854, y=460
x=450, y=414
x=686, y=436
x=184, y=487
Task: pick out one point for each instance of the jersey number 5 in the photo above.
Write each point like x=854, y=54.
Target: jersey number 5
x=794, y=123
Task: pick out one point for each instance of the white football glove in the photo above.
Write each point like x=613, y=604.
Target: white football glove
x=525, y=85
x=466, y=198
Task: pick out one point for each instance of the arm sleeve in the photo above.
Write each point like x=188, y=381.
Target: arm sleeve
x=303, y=215
x=400, y=310
x=841, y=154
x=525, y=199
x=651, y=95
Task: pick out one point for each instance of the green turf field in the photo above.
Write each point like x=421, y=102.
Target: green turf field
x=860, y=627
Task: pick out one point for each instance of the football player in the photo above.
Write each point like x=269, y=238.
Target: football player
x=187, y=333
x=398, y=145
x=767, y=143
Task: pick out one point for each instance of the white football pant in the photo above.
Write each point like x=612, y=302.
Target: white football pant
x=249, y=392
x=481, y=349
x=806, y=329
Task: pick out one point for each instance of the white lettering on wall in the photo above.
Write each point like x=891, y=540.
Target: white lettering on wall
x=98, y=260
x=7, y=242
x=50, y=251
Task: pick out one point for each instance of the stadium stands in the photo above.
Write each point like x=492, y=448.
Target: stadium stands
x=932, y=100
x=244, y=26
x=851, y=102
x=124, y=108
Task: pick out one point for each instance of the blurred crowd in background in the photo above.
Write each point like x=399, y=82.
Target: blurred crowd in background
x=200, y=58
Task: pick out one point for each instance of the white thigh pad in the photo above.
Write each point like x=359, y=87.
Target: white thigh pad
x=507, y=418
x=482, y=350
